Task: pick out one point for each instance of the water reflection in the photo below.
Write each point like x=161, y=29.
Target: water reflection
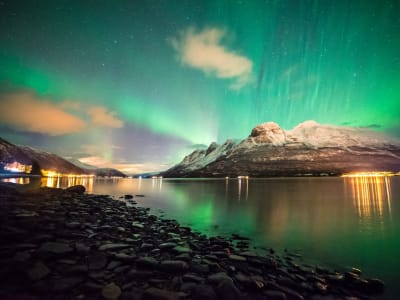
x=243, y=187
x=19, y=180
x=371, y=195
x=67, y=181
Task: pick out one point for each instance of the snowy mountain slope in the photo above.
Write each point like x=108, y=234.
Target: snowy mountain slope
x=308, y=148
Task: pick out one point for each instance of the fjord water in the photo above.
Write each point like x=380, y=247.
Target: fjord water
x=333, y=221
x=337, y=222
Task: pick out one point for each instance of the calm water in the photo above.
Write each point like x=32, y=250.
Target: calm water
x=339, y=222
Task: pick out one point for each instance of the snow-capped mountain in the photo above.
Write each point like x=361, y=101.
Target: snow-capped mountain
x=309, y=148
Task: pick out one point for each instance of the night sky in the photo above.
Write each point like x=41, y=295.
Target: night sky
x=139, y=84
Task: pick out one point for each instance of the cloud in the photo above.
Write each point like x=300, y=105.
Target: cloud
x=127, y=168
x=204, y=51
x=102, y=117
x=25, y=111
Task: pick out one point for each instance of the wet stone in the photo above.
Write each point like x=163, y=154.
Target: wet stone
x=237, y=257
x=174, y=265
x=147, y=261
x=275, y=295
x=181, y=249
x=55, y=248
x=192, y=278
x=159, y=294
x=226, y=290
x=204, y=292
x=218, y=277
x=78, y=189
x=113, y=264
x=22, y=256
x=146, y=246
x=167, y=245
x=111, y=291
x=110, y=247
x=38, y=271
x=97, y=260
x=66, y=284
x=183, y=256
x=137, y=225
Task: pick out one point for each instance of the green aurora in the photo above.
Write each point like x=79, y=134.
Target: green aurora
x=336, y=62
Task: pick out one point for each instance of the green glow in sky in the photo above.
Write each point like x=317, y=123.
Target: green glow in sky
x=336, y=62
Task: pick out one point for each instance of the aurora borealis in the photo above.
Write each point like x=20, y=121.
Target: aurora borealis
x=138, y=84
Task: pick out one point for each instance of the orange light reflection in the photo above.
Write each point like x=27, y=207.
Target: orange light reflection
x=371, y=194
x=64, y=181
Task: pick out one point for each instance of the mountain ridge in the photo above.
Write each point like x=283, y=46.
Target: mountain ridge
x=44, y=160
x=307, y=149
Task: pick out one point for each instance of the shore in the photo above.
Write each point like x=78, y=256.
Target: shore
x=65, y=244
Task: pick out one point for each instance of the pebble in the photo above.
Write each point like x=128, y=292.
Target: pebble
x=78, y=246
x=108, y=247
x=218, y=277
x=111, y=291
x=55, y=248
x=147, y=261
x=159, y=294
x=174, y=265
x=38, y=271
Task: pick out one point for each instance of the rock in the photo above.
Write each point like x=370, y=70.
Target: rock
x=113, y=264
x=226, y=290
x=125, y=257
x=199, y=268
x=237, y=257
x=78, y=189
x=137, y=225
x=38, y=271
x=243, y=279
x=111, y=291
x=139, y=274
x=192, y=278
x=275, y=295
x=174, y=265
x=128, y=196
x=82, y=248
x=356, y=271
x=375, y=286
x=159, y=294
x=76, y=269
x=22, y=256
x=183, y=256
x=146, y=246
x=167, y=245
x=203, y=292
x=108, y=247
x=55, y=248
x=97, y=261
x=66, y=284
x=181, y=249
x=218, y=277
x=187, y=287
x=147, y=261
x=72, y=225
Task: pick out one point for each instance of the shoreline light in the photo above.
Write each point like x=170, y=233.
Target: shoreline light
x=368, y=174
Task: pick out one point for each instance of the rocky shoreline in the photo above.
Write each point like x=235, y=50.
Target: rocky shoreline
x=65, y=244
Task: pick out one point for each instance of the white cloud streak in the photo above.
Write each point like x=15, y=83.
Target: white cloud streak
x=204, y=51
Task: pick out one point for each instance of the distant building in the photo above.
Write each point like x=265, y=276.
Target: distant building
x=17, y=167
